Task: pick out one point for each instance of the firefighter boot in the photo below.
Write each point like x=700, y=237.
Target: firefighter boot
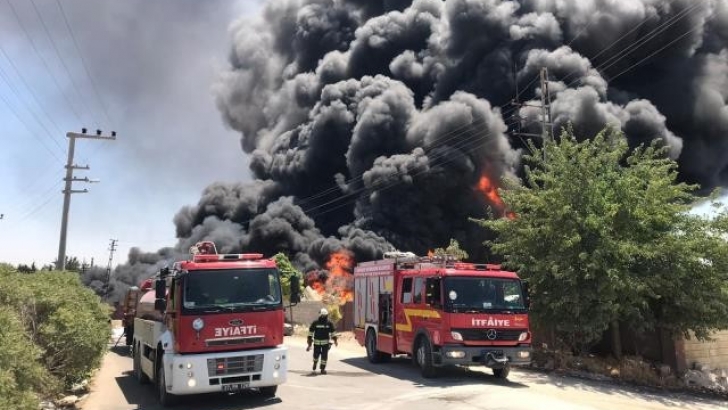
x=315, y=362
x=323, y=367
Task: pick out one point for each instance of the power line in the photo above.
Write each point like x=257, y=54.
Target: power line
x=6, y=80
x=61, y=59
x=15, y=113
x=441, y=141
x=43, y=60
x=467, y=144
x=623, y=53
x=83, y=62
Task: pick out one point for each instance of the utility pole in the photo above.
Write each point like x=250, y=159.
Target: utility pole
x=112, y=249
x=67, y=191
x=546, y=123
x=547, y=133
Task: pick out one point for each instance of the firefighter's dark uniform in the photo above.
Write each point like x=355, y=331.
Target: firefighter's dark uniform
x=320, y=334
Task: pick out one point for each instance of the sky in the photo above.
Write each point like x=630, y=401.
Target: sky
x=142, y=69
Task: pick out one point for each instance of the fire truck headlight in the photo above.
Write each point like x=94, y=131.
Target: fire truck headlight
x=523, y=336
x=524, y=354
x=457, y=336
x=191, y=383
x=278, y=358
x=198, y=324
x=277, y=366
x=456, y=354
x=275, y=374
x=190, y=374
x=189, y=365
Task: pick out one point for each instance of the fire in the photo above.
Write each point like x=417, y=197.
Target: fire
x=430, y=253
x=490, y=190
x=336, y=282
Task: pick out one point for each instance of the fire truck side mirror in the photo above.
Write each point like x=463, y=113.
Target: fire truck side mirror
x=295, y=289
x=526, y=294
x=160, y=289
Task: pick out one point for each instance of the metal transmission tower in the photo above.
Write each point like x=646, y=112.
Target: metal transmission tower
x=547, y=124
x=67, y=191
x=112, y=249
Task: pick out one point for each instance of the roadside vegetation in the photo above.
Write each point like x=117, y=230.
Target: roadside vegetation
x=604, y=234
x=53, y=333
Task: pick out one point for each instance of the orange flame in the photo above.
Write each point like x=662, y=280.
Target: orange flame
x=430, y=253
x=490, y=190
x=338, y=284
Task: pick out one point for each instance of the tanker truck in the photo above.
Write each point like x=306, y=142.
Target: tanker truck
x=212, y=323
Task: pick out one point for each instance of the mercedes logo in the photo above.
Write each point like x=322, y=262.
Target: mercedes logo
x=491, y=334
x=235, y=322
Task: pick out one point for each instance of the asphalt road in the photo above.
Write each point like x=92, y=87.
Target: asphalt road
x=353, y=383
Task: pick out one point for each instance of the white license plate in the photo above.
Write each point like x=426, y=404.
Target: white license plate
x=235, y=387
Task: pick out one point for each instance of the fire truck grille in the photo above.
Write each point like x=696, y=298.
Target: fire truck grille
x=501, y=335
x=234, y=341
x=235, y=365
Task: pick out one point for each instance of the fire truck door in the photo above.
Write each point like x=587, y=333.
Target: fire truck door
x=403, y=327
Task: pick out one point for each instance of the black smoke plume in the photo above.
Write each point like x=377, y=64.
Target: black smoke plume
x=370, y=123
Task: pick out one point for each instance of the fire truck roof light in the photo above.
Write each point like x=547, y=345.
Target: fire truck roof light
x=228, y=257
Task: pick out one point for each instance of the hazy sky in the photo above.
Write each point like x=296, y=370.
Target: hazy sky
x=153, y=65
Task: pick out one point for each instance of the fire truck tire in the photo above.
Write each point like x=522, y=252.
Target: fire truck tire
x=137, y=366
x=373, y=354
x=423, y=357
x=502, y=373
x=165, y=399
x=268, y=391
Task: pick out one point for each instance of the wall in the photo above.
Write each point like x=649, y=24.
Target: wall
x=307, y=311
x=714, y=354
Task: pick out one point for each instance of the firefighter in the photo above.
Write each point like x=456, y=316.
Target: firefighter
x=320, y=334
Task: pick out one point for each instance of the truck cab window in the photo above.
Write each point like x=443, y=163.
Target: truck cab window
x=406, y=290
x=417, y=292
x=433, y=292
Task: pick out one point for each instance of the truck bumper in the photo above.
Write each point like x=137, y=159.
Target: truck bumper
x=225, y=371
x=489, y=356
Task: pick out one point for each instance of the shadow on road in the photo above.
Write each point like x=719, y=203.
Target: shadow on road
x=121, y=350
x=664, y=397
x=143, y=397
x=402, y=368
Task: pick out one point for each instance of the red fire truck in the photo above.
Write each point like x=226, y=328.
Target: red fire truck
x=441, y=312
x=213, y=323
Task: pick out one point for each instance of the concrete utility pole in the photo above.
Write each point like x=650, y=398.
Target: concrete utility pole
x=67, y=191
x=112, y=249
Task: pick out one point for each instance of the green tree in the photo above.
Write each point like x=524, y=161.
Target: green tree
x=452, y=250
x=285, y=266
x=603, y=233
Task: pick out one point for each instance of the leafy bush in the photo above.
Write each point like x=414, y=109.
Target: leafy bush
x=21, y=374
x=65, y=321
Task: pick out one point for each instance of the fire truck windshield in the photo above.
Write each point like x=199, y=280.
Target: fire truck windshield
x=231, y=289
x=477, y=294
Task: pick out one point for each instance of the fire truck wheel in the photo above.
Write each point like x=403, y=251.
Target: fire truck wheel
x=268, y=391
x=423, y=356
x=165, y=398
x=373, y=354
x=137, y=369
x=502, y=373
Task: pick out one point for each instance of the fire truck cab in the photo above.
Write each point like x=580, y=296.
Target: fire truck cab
x=441, y=312
x=213, y=323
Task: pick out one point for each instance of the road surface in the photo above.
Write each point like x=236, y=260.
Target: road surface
x=352, y=383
